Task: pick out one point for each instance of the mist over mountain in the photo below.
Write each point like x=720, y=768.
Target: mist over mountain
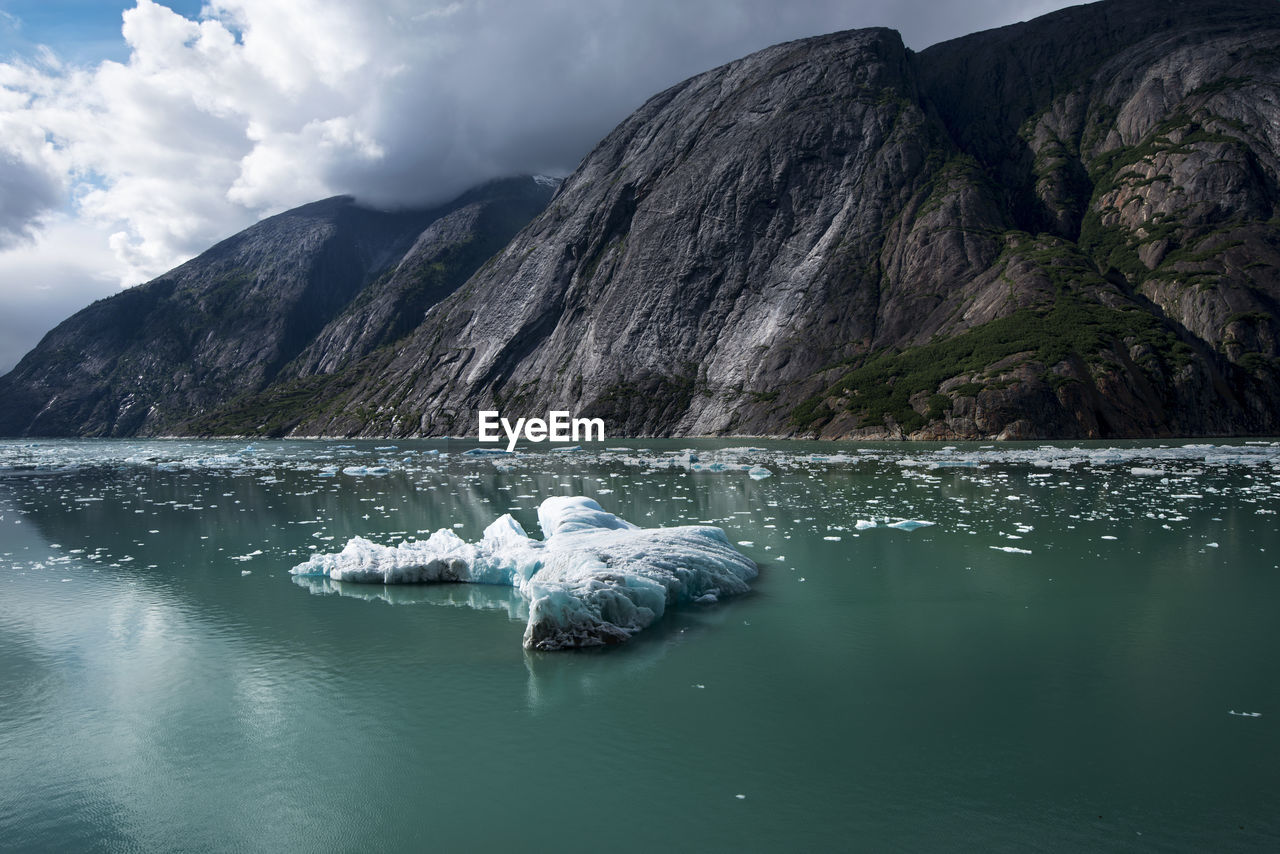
x=1064, y=228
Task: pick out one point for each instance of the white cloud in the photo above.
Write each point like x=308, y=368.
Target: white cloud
x=45, y=280
x=262, y=105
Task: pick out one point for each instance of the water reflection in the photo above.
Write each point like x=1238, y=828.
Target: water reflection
x=175, y=691
x=481, y=597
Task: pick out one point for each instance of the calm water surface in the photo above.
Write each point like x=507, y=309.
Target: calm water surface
x=1053, y=665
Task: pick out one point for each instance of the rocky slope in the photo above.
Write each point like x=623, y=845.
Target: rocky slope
x=300, y=294
x=1063, y=228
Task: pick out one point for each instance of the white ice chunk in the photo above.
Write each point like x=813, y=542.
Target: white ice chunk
x=910, y=524
x=565, y=513
x=758, y=472
x=444, y=556
x=594, y=579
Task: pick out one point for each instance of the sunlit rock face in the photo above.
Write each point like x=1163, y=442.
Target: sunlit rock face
x=1058, y=229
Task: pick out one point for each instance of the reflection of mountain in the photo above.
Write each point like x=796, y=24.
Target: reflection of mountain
x=207, y=520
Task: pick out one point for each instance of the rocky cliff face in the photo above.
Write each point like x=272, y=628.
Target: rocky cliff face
x=299, y=294
x=1064, y=228
x=1061, y=228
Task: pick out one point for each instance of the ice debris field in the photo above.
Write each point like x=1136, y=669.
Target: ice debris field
x=392, y=512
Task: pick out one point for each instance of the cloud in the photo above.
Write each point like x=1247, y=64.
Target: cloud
x=63, y=268
x=27, y=192
x=31, y=181
x=262, y=105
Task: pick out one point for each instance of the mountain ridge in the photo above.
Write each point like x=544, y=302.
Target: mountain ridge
x=1064, y=228
x=238, y=316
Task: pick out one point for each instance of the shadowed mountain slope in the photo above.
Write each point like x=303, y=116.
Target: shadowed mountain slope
x=299, y=294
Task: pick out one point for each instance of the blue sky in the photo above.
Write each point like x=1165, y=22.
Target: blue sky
x=81, y=31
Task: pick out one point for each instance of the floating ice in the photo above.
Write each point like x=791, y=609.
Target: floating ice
x=758, y=472
x=863, y=524
x=595, y=579
x=1012, y=550
x=361, y=471
x=910, y=524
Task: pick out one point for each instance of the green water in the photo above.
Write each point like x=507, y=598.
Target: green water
x=165, y=684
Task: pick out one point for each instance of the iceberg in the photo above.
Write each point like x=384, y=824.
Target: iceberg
x=593, y=579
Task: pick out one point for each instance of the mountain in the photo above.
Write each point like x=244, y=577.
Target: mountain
x=298, y=295
x=1063, y=228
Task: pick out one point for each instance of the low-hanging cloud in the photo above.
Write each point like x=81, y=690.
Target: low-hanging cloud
x=26, y=193
x=262, y=105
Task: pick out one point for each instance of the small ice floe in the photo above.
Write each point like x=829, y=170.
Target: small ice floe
x=910, y=524
x=249, y=556
x=1211, y=545
x=486, y=452
x=361, y=471
x=832, y=537
x=863, y=524
x=1143, y=471
x=1245, y=714
x=246, y=572
x=1012, y=550
x=758, y=473
x=1107, y=537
